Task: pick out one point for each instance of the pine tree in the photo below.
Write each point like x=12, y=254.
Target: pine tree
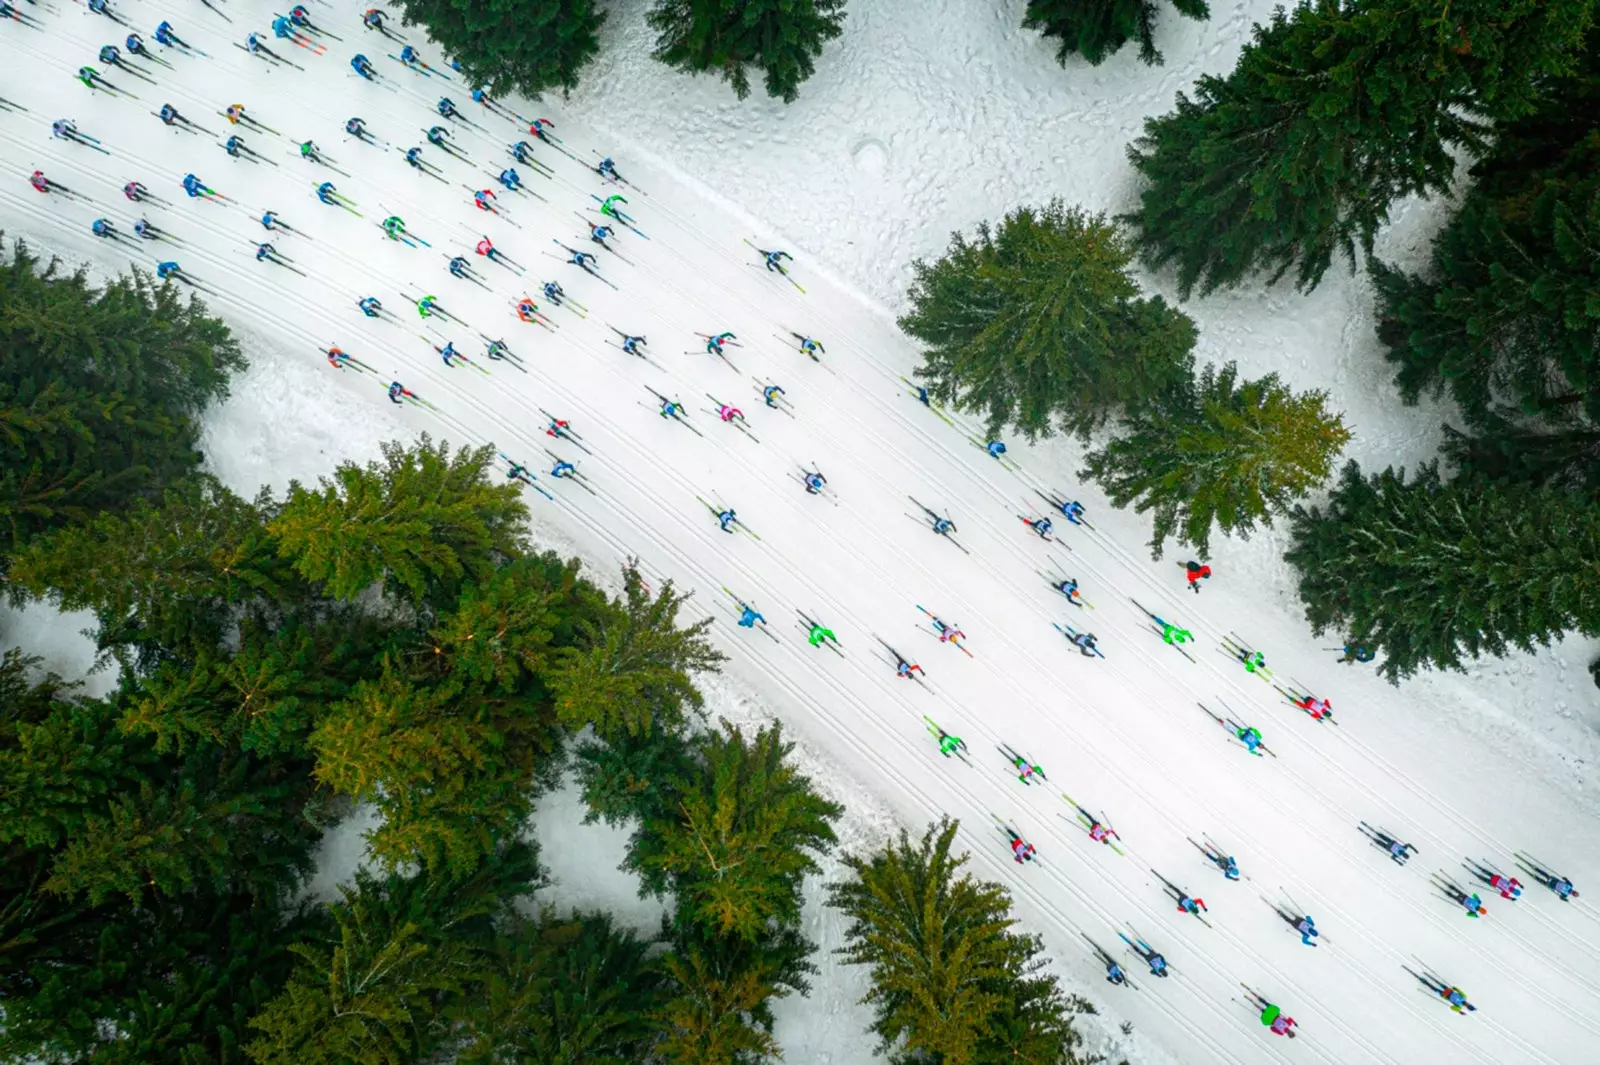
x=100, y=392
x=746, y=828
x=423, y=520
x=1096, y=29
x=781, y=37
x=381, y=988
x=938, y=941
x=1040, y=324
x=720, y=991
x=1506, y=453
x=632, y=778
x=1334, y=112
x=1506, y=315
x=629, y=668
x=512, y=47
x=564, y=989
x=1431, y=573
x=1219, y=452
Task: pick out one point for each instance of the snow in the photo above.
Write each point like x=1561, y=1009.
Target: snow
x=912, y=128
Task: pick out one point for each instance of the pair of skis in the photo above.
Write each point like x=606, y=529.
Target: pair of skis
x=914, y=391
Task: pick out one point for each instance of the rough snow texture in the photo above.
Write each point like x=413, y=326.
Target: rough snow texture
x=915, y=125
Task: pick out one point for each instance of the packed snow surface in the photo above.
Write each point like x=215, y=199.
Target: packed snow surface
x=912, y=127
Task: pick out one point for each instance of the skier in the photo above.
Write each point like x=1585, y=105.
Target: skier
x=553, y=292
x=416, y=162
x=487, y=249
x=583, y=260
x=357, y=128
x=811, y=346
x=715, y=344
x=815, y=634
x=428, y=306
x=948, y=744
x=1072, y=510
x=337, y=358
x=372, y=19
x=165, y=35
x=522, y=152
x=1186, y=903
x=1250, y=736
x=253, y=45
x=559, y=428
x=528, y=311
x=169, y=115
x=599, y=234
x=813, y=480
x=1021, y=850
x=775, y=260
x=235, y=147
x=363, y=66
x=267, y=252
x=1100, y=833
x=1026, y=770
x=538, y=127
x=563, y=468
x=1356, y=653
x=903, y=669
x=449, y=352
x=399, y=393
x=608, y=170
x=1085, y=643
x=770, y=394
x=370, y=306
x=1149, y=955
x=1561, y=885
x=1114, y=973
x=394, y=227
x=609, y=208
x=328, y=194
x=197, y=188
x=748, y=616
x=519, y=472
x=1319, y=709
x=169, y=270
x=727, y=519
x=64, y=129
x=146, y=231
x=270, y=222
x=136, y=46
x=1069, y=588
x=460, y=268
x=1398, y=851
x=1472, y=904
x=631, y=344
x=1041, y=528
x=1253, y=661
x=1304, y=925
x=1171, y=633
x=485, y=201
x=102, y=227
x=136, y=192
x=1453, y=996
x=511, y=179
x=729, y=413
x=1224, y=862
x=947, y=632
x=1194, y=573
x=101, y=7
x=1276, y=1021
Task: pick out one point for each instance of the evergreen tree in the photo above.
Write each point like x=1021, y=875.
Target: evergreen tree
x=1505, y=317
x=1334, y=112
x=745, y=829
x=572, y=990
x=422, y=520
x=939, y=942
x=781, y=37
x=1095, y=29
x=512, y=47
x=1430, y=573
x=633, y=777
x=100, y=392
x=628, y=669
x=720, y=991
x=1040, y=324
x=382, y=986
x=1219, y=452
x=1508, y=454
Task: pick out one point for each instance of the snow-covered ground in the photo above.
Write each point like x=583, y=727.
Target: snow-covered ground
x=911, y=128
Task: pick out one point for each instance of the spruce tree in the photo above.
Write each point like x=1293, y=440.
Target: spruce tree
x=1505, y=316
x=632, y=778
x=100, y=392
x=1504, y=451
x=1334, y=112
x=421, y=520
x=1095, y=29
x=1039, y=324
x=628, y=668
x=1434, y=573
x=1219, y=452
x=780, y=37
x=509, y=46
x=938, y=941
x=719, y=993
x=746, y=827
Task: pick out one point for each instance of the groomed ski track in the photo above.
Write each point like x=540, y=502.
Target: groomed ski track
x=1122, y=735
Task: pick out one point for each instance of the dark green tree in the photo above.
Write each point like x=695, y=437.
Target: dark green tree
x=1040, y=324
x=511, y=46
x=423, y=521
x=1504, y=451
x=938, y=941
x=1432, y=573
x=100, y=392
x=780, y=37
x=1220, y=453
x=632, y=778
x=1335, y=111
x=1506, y=315
x=746, y=827
x=1095, y=29
x=403, y=956
x=628, y=670
x=572, y=990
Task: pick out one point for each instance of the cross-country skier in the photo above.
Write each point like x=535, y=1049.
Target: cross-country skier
x=770, y=394
x=272, y=223
x=774, y=260
x=948, y=744
x=461, y=268
x=101, y=7
x=1021, y=850
x=1186, y=902
x=553, y=292
x=485, y=201
x=1024, y=766
x=1253, y=661
x=903, y=669
x=1041, y=528
x=65, y=129
x=1301, y=923
x=715, y=344
x=1472, y=904
x=235, y=147
x=166, y=36
x=357, y=128
x=631, y=344
x=1070, y=509
x=1224, y=862
x=528, y=311
x=398, y=393
x=446, y=107
x=749, y=615
x=539, y=127
x=328, y=194
x=254, y=45
x=370, y=306
x=1069, y=588
x=1085, y=643
x=1276, y=1021
x=486, y=248
x=147, y=231
x=995, y=449
x=415, y=161
x=102, y=227
x=1194, y=573
x=1561, y=885
x=563, y=468
x=449, y=352
x=600, y=234
x=728, y=413
x=363, y=66
x=136, y=46
x=169, y=270
x=372, y=19
x=1100, y=833
x=1453, y=996
x=727, y=519
x=266, y=252
x=1171, y=633
x=815, y=633
x=1149, y=955
x=810, y=346
x=608, y=169
x=510, y=179
x=1250, y=736
x=519, y=472
x=559, y=428
x=1355, y=653
x=1398, y=851
x=1319, y=709
x=169, y=116
x=136, y=192
x=337, y=358
x=946, y=632
x=1114, y=973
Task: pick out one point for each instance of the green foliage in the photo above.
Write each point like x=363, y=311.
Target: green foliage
x=780, y=37
x=743, y=832
x=1506, y=316
x=1430, y=573
x=423, y=521
x=1334, y=112
x=565, y=991
x=100, y=390
x=1040, y=324
x=401, y=956
x=1508, y=454
x=633, y=777
x=1095, y=29
x=629, y=669
x=510, y=45
x=1219, y=452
